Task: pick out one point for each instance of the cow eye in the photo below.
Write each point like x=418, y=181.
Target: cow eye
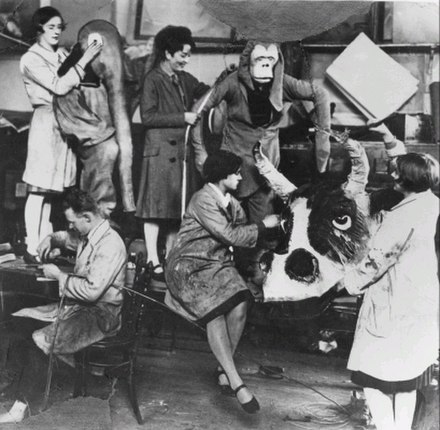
x=286, y=221
x=342, y=222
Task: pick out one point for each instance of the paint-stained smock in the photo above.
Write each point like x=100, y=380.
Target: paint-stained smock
x=397, y=333
x=93, y=299
x=162, y=112
x=200, y=271
x=50, y=163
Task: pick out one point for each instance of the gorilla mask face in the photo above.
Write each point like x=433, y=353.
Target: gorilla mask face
x=263, y=60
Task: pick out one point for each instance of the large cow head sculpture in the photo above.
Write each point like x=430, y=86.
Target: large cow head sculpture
x=326, y=231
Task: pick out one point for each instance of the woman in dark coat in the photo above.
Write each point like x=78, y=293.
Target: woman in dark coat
x=203, y=283
x=168, y=94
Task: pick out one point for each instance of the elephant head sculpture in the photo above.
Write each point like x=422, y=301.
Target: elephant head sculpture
x=99, y=113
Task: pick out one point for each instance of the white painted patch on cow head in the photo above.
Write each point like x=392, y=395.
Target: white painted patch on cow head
x=326, y=232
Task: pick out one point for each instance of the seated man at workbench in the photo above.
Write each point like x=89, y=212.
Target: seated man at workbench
x=91, y=295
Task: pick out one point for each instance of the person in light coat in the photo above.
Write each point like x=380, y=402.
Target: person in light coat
x=50, y=163
x=396, y=341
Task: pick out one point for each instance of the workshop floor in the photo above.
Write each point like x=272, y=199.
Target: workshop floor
x=176, y=391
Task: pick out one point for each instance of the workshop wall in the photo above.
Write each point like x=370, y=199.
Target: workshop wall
x=406, y=28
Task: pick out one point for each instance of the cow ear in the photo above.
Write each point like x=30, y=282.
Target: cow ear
x=384, y=200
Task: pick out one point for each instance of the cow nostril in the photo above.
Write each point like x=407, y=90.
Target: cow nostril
x=266, y=262
x=302, y=266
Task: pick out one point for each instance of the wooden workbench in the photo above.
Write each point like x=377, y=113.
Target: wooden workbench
x=23, y=285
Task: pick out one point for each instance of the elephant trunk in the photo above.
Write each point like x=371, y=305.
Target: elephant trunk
x=121, y=122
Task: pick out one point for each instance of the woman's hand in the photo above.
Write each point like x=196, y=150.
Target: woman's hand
x=90, y=53
x=384, y=131
x=191, y=118
x=271, y=221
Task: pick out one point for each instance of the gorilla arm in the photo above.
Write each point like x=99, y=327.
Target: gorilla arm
x=211, y=99
x=295, y=89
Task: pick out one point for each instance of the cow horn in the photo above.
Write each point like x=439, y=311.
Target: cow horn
x=277, y=181
x=360, y=168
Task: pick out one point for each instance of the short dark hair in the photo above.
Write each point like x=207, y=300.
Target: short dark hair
x=43, y=15
x=219, y=165
x=79, y=201
x=417, y=172
x=171, y=39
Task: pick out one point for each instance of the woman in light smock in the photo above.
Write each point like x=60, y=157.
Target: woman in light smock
x=397, y=335
x=50, y=163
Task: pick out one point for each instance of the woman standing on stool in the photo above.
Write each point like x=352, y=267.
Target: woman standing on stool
x=167, y=97
x=203, y=283
x=50, y=163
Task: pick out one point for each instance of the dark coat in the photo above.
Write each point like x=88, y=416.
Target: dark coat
x=200, y=271
x=162, y=113
x=240, y=134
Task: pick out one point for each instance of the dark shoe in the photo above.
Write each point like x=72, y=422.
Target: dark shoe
x=158, y=275
x=252, y=405
x=31, y=259
x=226, y=390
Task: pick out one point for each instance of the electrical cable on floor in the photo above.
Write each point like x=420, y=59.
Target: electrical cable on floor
x=268, y=370
x=157, y=302
x=317, y=413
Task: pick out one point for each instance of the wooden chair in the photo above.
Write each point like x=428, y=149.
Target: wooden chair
x=117, y=354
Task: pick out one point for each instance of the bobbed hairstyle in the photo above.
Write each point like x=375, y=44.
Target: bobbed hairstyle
x=79, y=201
x=219, y=165
x=43, y=15
x=417, y=172
x=172, y=39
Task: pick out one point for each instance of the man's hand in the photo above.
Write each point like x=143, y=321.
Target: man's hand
x=44, y=248
x=51, y=271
